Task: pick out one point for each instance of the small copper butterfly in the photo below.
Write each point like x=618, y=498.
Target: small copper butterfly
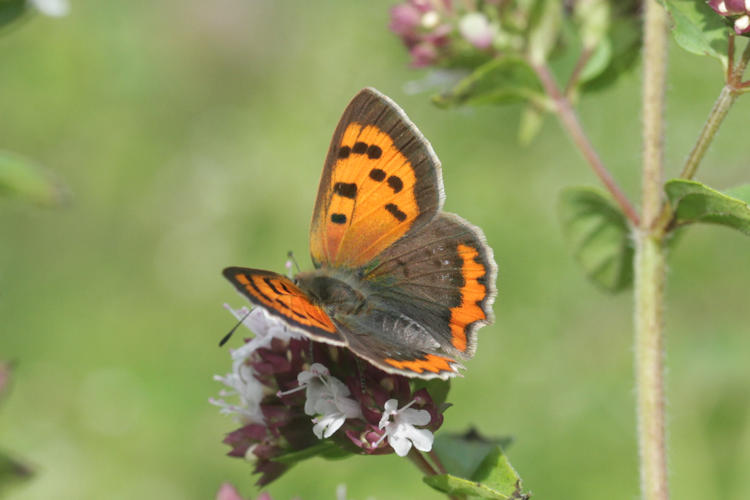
x=397, y=281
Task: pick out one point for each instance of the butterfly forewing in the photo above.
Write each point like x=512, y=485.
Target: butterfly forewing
x=381, y=180
x=283, y=299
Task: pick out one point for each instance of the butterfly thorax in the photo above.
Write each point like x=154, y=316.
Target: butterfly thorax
x=336, y=294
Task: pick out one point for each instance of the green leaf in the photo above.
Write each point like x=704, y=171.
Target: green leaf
x=12, y=472
x=500, y=81
x=532, y=119
x=624, y=39
x=695, y=202
x=598, y=62
x=494, y=478
x=324, y=448
x=598, y=235
x=594, y=17
x=462, y=454
x=544, y=28
x=10, y=10
x=23, y=178
x=698, y=29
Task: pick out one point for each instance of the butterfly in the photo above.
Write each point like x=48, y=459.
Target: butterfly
x=396, y=280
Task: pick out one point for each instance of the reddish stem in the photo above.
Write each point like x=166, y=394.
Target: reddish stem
x=576, y=74
x=568, y=117
x=421, y=462
x=438, y=463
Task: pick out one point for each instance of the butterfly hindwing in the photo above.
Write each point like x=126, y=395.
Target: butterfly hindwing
x=447, y=272
x=381, y=180
x=279, y=296
x=427, y=296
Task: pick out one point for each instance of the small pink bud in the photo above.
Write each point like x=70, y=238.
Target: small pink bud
x=423, y=55
x=228, y=492
x=405, y=19
x=729, y=7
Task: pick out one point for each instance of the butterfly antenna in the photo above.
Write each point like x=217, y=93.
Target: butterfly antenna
x=291, y=260
x=361, y=373
x=229, y=335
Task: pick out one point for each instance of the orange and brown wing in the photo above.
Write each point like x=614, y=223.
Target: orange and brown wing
x=381, y=180
x=443, y=277
x=279, y=296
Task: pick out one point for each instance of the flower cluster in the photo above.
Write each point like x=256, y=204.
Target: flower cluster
x=465, y=34
x=290, y=394
x=738, y=11
x=436, y=31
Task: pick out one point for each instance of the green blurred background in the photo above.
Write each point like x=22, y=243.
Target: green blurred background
x=192, y=135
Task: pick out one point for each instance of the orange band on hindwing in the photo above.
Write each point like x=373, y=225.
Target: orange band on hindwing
x=430, y=363
x=472, y=294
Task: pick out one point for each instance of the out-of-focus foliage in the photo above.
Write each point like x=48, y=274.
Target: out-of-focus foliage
x=22, y=178
x=598, y=237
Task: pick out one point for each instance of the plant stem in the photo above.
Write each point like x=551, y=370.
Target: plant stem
x=421, y=462
x=649, y=265
x=727, y=96
x=576, y=74
x=649, y=291
x=438, y=463
x=570, y=122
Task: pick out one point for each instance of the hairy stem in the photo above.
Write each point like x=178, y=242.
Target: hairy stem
x=727, y=96
x=726, y=99
x=649, y=291
x=649, y=265
x=570, y=122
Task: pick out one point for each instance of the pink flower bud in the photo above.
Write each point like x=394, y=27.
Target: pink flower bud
x=729, y=7
x=423, y=55
x=405, y=19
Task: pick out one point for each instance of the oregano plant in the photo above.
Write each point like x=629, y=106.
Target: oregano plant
x=547, y=55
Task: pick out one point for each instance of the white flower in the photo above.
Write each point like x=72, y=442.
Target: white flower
x=54, y=8
x=242, y=382
x=401, y=432
x=327, y=397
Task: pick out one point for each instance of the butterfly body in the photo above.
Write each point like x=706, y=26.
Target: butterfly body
x=396, y=280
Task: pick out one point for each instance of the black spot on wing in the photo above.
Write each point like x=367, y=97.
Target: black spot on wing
x=345, y=189
x=338, y=218
x=396, y=212
x=374, y=152
x=377, y=175
x=395, y=183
